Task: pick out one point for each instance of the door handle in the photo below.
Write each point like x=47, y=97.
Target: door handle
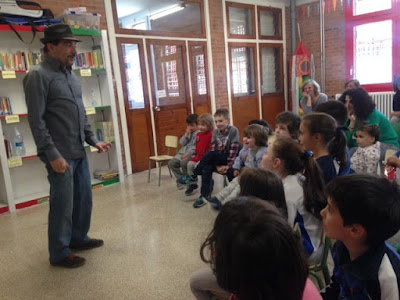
x=157, y=108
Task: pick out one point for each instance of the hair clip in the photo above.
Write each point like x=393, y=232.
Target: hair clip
x=308, y=154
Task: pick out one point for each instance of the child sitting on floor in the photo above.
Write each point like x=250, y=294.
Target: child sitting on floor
x=255, y=254
x=320, y=134
x=287, y=125
x=362, y=212
x=303, y=185
x=254, y=147
x=366, y=158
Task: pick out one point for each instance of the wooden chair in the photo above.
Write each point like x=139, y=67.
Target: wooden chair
x=323, y=265
x=171, y=142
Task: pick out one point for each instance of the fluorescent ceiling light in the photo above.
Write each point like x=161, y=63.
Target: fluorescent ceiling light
x=166, y=12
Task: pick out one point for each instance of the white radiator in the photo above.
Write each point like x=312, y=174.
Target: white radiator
x=383, y=101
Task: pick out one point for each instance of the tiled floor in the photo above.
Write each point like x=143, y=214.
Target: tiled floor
x=152, y=239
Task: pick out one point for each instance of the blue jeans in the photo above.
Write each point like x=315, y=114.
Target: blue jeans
x=206, y=167
x=70, y=208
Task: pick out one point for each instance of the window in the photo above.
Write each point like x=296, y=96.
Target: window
x=240, y=19
x=243, y=72
x=372, y=43
x=270, y=23
x=182, y=18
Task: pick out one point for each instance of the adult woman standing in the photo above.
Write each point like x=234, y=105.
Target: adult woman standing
x=362, y=111
x=312, y=96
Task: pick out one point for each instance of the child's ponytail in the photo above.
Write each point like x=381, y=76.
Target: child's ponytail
x=337, y=147
x=296, y=160
x=313, y=186
x=333, y=137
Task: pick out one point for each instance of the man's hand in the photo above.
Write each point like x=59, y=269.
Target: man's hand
x=184, y=155
x=236, y=173
x=60, y=165
x=222, y=169
x=103, y=147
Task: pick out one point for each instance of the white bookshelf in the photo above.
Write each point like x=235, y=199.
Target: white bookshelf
x=27, y=182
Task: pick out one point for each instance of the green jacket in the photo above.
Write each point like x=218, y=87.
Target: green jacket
x=388, y=135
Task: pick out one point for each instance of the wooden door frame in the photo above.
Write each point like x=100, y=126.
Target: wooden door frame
x=150, y=42
x=192, y=69
x=147, y=107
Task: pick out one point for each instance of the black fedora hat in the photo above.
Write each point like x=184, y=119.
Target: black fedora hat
x=58, y=32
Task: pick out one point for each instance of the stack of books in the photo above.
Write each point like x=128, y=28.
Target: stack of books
x=105, y=175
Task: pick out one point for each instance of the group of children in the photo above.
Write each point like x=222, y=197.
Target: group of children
x=301, y=174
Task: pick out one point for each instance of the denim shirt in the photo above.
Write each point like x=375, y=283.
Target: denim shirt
x=56, y=113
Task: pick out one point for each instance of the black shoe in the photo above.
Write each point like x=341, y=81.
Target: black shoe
x=93, y=243
x=70, y=262
x=189, y=191
x=215, y=203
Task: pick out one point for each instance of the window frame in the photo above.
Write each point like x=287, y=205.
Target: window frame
x=353, y=21
x=240, y=5
x=271, y=9
x=120, y=30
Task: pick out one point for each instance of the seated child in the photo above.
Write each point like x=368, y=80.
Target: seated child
x=233, y=171
x=250, y=156
x=366, y=158
x=223, y=151
x=338, y=111
x=320, y=134
x=255, y=254
x=362, y=212
x=259, y=183
x=178, y=165
x=287, y=125
x=203, y=142
x=303, y=184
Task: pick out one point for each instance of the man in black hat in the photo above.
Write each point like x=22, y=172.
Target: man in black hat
x=59, y=125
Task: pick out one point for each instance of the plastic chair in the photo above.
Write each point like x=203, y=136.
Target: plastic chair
x=171, y=141
x=323, y=265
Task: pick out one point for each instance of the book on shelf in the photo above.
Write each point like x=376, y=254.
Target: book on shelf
x=91, y=59
x=19, y=61
x=105, y=131
x=5, y=106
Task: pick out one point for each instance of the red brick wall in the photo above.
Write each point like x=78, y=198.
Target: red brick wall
x=218, y=53
x=335, y=44
x=92, y=6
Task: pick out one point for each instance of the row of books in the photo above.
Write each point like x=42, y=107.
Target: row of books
x=105, y=131
x=5, y=106
x=23, y=61
x=19, y=61
x=92, y=59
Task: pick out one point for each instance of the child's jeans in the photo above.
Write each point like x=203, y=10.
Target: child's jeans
x=191, y=165
x=179, y=166
x=206, y=167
